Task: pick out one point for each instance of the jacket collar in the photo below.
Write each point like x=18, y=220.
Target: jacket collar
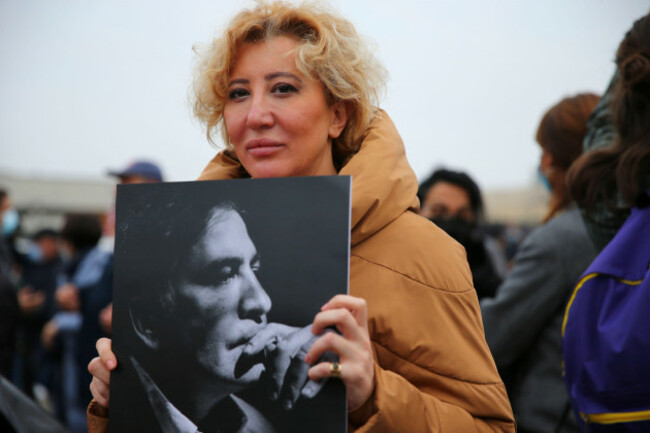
x=383, y=183
x=627, y=255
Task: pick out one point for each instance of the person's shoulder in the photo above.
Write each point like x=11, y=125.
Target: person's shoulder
x=561, y=243
x=99, y=256
x=569, y=219
x=416, y=250
x=567, y=228
x=418, y=286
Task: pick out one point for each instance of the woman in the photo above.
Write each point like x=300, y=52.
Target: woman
x=522, y=323
x=611, y=184
x=615, y=176
x=294, y=92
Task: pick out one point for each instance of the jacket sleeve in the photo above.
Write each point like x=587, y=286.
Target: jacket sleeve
x=530, y=295
x=398, y=405
x=97, y=418
x=433, y=370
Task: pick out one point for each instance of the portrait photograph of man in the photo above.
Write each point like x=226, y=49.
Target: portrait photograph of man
x=216, y=286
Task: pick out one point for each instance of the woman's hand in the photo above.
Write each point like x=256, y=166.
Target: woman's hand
x=350, y=316
x=100, y=367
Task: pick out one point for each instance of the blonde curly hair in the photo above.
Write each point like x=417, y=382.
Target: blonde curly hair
x=330, y=50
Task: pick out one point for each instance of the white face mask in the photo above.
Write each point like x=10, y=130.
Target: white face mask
x=10, y=222
x=35, y=253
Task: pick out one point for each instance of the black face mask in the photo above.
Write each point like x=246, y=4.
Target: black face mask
x=460, y=229
x=469, y=236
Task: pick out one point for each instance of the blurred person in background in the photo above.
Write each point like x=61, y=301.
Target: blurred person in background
x=84, y=288
x=9, y=315
x=139, y=171
x=611, y=185
x=452, y=200
x=10, y=223
x=41, y=268
x=9, y=310
x=523, y=322
x=614, y=173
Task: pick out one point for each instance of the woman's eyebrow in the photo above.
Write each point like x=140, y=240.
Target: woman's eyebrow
x=239, y=81
x=273, y=75
x=267, y=77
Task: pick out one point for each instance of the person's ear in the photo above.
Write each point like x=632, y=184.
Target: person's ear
x=340, y=114
x=144, y=331
x=546, y=162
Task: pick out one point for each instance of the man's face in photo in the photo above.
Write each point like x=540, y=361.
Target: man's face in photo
x=221, y=300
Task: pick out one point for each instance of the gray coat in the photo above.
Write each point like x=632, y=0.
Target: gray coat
x=523, y=322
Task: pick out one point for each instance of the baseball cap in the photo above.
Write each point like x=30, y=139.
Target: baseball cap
x=145, y=169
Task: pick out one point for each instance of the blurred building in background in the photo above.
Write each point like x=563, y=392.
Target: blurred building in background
x=46, y=201
x=522, y=206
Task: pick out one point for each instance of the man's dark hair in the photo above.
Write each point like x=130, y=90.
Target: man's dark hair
x=45, y=233
x=82, y=231
x=158, y=233
x=459, y=179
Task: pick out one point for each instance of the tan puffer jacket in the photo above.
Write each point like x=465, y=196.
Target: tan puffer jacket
x=434, y=371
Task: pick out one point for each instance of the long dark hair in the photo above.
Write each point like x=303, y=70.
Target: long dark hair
x=600, y=176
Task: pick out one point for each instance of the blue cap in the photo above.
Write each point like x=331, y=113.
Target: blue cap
x=145, y=169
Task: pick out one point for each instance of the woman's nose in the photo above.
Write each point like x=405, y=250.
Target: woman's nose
x=259, y=113
x=255, y=303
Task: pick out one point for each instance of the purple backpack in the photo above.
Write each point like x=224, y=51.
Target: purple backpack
x=606, y=334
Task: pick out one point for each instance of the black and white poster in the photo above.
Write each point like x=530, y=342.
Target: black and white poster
x=216, y=286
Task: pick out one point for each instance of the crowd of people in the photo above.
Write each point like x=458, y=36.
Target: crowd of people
x=56, y=292
x=445, y=328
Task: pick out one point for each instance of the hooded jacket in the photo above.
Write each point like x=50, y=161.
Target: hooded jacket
x=433, y=370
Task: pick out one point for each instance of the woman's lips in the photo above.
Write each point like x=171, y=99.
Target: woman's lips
x=263, y=147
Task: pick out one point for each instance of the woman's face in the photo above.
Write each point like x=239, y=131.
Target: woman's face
x=277, y=118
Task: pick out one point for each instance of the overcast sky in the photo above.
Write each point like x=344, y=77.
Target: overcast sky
x=89, y=85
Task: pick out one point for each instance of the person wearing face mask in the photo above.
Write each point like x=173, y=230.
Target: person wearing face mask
x=9, y=310
x=84, y=287
x=452, y=200
x=41, y=267
x=9, y=223
x=523, y=321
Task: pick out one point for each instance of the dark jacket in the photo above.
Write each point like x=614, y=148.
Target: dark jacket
x=9, y=315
